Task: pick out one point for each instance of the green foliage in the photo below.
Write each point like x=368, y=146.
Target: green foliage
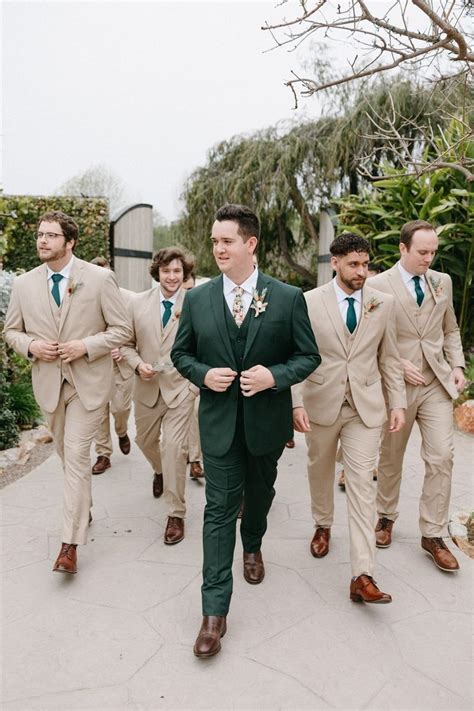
x=9, y=434
x=19, y=218
x=23, y=403
x=442, y=198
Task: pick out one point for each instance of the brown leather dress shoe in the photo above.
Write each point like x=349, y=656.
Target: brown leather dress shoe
x=319, y=546
x=290, y=444
x=101, y=464
x=174, y=532
x=254, y=570
x=364, y=589
x=383, y=532
x=208, y=641
x=124, y=444
x=195, y=470
x=66, y=562
x=157, y=485
x=440, y=553
x=342, y=480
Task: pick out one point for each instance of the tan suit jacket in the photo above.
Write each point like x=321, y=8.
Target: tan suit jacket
x=151, y=344
x=92, y=310
x=361, y=361
x=438, y=340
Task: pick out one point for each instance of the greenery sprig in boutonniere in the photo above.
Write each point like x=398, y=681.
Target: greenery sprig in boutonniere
x=437, y=287
x=372, y=304
x=259, y=305
x=73, y=286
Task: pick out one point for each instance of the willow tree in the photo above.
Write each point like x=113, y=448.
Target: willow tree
x=287, y=173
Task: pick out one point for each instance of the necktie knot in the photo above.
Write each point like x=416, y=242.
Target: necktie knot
x=56, y=278
x=168, y=305
x=418, y=290
x=351, y=318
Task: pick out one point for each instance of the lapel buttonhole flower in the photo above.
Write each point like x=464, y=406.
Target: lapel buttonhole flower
x=372, y=304
x=259, y=305
x=73, y=286
x=437, y=287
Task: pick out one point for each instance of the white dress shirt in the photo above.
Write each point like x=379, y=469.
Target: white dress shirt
x=63, y=284
x=171, y=298
x=247, y=296
x=409, y=283
x=342, y=302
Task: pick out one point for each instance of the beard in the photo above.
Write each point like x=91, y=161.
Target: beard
x=353, y=284
x=53, y=254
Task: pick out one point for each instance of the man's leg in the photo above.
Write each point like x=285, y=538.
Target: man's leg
x=224, y=487
x=148, y=426
x=103, y=440
x=121, y=403
x=322, y=448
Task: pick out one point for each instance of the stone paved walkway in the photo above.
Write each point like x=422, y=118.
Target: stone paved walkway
x=119, y=635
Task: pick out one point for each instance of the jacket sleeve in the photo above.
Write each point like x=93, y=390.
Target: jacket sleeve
x=305, y=357
x=389, y=362
x=14, y=329
x=183, y=353
x=452, y=345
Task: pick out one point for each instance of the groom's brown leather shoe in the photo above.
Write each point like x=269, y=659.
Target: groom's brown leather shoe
x=66, y=562
x=364, y=589
x=254, y=570
x=208, y=641
x=319, y=546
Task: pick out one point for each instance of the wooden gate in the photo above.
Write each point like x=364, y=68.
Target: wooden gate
x=131, y=246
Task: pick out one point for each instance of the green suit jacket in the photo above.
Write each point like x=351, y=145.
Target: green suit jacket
x=281, y=339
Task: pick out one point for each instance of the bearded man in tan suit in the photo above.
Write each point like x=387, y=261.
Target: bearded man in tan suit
x=432, y=359
x=121, y=401
x=343, y=401
x=66, y=316
x=163, y=399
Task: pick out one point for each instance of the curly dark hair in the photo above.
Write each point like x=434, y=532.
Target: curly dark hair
x=347, y=243
x=166, y=255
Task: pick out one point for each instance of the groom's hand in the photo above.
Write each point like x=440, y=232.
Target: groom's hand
x=219, y=379
x=256, y=379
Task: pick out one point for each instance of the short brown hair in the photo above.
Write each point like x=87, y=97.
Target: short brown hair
x=409, y=229
x=68, y=226
x=248, y=224
x=101, y=262
x=166, y=255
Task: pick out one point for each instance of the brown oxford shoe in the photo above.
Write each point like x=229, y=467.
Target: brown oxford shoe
x=442, y=556
x=157, y=485
x=101, y=464
x=66, y=562
x=208, y=641
x=174, y=532
x=254, y=570
x=124, y=444
x=319, y=546
x=290, y=444
x=364, y=589
x=342, y=480
x=195, y=470
x=383, y=532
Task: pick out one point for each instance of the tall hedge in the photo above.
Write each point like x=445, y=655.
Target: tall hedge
x=19, y=217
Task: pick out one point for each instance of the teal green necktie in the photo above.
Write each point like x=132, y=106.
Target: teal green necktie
x=55, y=290
x=168, y=305
x=351, y=318
x=418, y=291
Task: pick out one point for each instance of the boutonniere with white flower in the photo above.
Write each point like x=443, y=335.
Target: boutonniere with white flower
x=437, y=286
x=259, y=305
x=370, y=305
x=73, y=286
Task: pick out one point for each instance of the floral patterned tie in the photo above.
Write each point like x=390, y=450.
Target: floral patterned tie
x=238, y=307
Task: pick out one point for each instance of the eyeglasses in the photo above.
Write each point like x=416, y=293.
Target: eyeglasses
x=49, y=235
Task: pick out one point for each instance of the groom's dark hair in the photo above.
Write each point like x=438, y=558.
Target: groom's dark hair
x=246, y=219
x=348, y=242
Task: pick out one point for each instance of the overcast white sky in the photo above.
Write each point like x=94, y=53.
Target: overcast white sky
x=143, y=87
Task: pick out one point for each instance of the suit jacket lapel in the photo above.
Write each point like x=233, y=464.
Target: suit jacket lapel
x=430, y=287
x=44, y=299
x=401, y=292
x=330, y=302
x=75, y=279
x=154, y=306
x=363, y=321
x=172, y=325
x=255, y=322
x=217, y=306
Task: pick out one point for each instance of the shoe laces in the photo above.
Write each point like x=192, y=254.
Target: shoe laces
x=438, y=543
x=66, y=549
x=383, y=523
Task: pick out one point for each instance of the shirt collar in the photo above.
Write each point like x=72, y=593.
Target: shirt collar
x=171, y=298
x=406, y=276
x=65, y=271
x=248, y=285
x=341, y=294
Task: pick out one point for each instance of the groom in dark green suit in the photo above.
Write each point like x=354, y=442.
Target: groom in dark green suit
x=244, y=339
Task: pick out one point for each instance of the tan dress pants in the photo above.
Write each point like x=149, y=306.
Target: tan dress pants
x=162, y=434
x=359, y=446
x=73, y=428
x=119, y=407
x=432, y=409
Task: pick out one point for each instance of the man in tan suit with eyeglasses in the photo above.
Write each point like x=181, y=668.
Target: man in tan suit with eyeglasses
x=66, y=316
x=163, y=399
x=432, y=359
x=343, y=401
